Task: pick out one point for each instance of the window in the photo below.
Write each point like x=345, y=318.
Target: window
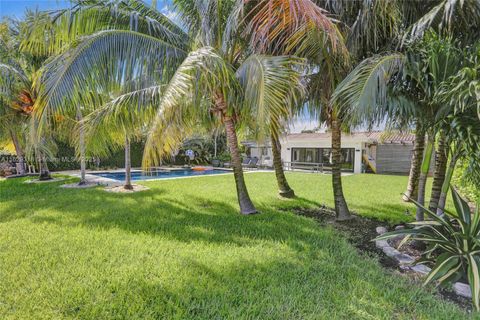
x=324, y=155
x=310, y=155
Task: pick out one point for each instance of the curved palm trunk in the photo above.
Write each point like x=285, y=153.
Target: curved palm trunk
x=415, y=166
x=19, y=152
x=128, y=166
x=422, y=181
x=446, y=185
x=81, y=147
x=341, y=208
x=441, y=160
x=244, y=201
x=284, y=189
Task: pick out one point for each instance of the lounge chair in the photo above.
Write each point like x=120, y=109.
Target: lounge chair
x=253, y=163
x=246, y=161
x=267, y=163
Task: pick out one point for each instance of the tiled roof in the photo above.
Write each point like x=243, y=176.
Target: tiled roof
x=373, y=136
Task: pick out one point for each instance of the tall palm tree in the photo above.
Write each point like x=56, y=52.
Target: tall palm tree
x=370, y=27
x=289, y=27
x=184, y=84
x=292, y=26
x=418, y=75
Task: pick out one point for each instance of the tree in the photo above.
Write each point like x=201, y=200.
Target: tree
x=17, y=97
x=293, y=27
x=182, y=84
x=418, y=75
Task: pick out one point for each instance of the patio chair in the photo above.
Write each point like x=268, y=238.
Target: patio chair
x=253, y=163
x=246, y=162
x=267, y=162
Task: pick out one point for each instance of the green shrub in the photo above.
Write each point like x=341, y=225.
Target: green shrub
x=453, y=245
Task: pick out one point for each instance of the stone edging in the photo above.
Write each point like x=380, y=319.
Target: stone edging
x=406, y=262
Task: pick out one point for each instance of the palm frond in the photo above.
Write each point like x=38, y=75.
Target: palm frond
x=362, y=95
x=127, y=114
x=271, y=88
x=45, y=33
x=284, y=25
x=187, y=99
x=103, y=62
x=449, y=16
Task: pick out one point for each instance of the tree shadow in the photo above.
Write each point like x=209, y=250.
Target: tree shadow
x=153, y=212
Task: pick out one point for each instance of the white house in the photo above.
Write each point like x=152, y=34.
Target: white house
x=378, y=152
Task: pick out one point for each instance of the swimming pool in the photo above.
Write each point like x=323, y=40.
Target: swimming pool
x=142, y=175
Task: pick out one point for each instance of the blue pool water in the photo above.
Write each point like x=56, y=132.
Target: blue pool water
x=137, y=175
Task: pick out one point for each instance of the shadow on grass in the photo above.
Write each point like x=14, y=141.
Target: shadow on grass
x=153, y=212
x=308, y=272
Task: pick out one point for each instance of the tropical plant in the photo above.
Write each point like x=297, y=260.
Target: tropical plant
x=180, y=86
x=17, y=97
x=293, y=27
x=453, y=245
x=462, y=131
x=386, y=86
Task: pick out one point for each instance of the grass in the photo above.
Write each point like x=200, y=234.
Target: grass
x=181, y=251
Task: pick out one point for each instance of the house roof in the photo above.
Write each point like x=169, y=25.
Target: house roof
x=372, y=136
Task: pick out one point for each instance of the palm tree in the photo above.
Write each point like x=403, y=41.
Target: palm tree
x=461, y=126
x=417, y=75
x=370, y=27
x=183, y=85
x=297, y=27
x=463, y=137
x=12, y=117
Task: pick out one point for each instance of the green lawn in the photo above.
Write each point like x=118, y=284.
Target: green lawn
x=181, y=250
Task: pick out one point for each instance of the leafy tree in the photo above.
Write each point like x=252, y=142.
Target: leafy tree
x=202, y=75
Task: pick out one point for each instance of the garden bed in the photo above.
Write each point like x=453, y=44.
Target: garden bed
x=361, y=231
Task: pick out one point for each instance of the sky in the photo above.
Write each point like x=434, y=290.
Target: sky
x=16, y=9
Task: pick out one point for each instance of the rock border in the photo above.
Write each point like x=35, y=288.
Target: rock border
x=406, y=262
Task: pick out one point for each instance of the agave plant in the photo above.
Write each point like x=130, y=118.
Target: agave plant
x=453, y=245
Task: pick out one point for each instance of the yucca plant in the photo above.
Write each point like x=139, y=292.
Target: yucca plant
x=453, y=245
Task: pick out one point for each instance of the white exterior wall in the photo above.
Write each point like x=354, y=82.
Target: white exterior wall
x=358, y=144
x=264, y=160
x=257, y=152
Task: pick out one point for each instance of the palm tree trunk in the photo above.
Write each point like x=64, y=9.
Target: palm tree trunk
x=128, y=166
x=412, y=187
x=284, y=189
x=422, y=181
x=446, y=185
x=441, y=160
x=244, y=201
x=44, y=171
x=19, y=152
x=341, y=208
x=81, y=147
x=215, y=144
